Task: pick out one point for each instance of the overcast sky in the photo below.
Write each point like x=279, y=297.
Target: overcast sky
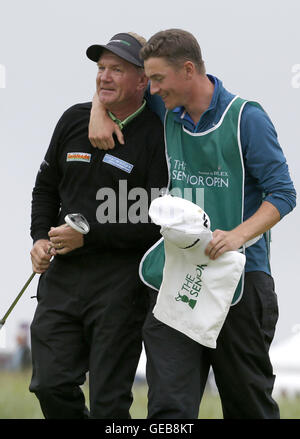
x=253, y=47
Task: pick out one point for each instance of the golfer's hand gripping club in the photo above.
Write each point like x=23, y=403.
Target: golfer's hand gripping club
x=74, y=220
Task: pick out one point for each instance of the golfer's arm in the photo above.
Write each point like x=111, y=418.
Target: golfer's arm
x=45, y=205
x=260, y=222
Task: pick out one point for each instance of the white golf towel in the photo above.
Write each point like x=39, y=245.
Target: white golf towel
x=196, y=292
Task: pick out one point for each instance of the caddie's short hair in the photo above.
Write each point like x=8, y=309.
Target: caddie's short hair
x=176, y=46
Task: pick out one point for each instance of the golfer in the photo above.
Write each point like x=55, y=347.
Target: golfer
x=91, y=302
x=227, y=148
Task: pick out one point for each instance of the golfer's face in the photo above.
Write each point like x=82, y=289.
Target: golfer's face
x=117, y=80
x=166, y=81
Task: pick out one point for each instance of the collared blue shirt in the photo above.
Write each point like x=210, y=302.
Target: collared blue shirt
x=266, y=169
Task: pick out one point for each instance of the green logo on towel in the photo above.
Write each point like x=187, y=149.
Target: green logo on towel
x=191, y=287
x=185, y=299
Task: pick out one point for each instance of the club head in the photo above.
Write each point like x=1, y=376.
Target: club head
x=78, y=222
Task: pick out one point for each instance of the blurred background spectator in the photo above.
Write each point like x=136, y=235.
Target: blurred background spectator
x=21, y=357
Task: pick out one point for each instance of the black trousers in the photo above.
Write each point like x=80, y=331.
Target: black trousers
x=177, y=366
x=89, y=318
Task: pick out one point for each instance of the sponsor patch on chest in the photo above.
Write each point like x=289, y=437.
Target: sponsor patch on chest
x=78, y=157
x=118, y=163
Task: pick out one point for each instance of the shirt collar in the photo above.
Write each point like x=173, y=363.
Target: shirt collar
x=122, y=123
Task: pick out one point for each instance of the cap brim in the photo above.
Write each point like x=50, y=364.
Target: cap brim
x=94, y=52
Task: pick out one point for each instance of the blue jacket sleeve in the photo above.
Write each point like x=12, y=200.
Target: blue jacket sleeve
x=264, y=159
x=156, y=104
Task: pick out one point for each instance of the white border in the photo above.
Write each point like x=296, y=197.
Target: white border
x=216, y=126
x=243, y=192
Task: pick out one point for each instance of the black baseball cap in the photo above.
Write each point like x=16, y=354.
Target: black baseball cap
x=124, y=45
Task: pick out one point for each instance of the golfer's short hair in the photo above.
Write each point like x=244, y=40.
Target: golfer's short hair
x=176, y=46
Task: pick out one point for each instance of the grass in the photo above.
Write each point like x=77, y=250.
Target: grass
x=16, y=402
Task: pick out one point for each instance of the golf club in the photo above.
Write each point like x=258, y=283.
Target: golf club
x=75, y=220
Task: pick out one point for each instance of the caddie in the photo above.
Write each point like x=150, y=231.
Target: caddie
x=223, y=155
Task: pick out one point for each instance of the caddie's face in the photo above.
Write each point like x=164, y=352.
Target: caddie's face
x=118, y=81
x=166, y=81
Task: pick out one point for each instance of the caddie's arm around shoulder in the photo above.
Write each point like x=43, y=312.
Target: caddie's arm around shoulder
x=102, y=128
